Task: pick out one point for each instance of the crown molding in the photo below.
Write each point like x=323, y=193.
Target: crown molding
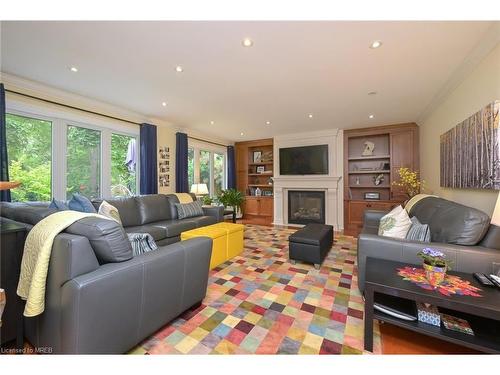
x=488, y=42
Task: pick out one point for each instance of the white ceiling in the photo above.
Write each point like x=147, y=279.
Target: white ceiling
x=293, y=69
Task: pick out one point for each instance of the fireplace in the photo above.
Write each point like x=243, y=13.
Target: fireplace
x=306, y=206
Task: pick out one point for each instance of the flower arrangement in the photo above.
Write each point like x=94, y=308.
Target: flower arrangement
x=434, y=258
x=409, y=181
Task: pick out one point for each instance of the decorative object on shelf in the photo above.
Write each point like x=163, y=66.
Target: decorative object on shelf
x=369, y=148
x=257, y=156
x=3, y=302
x=267, y=156
x=409, y=181
x=450, y=286
x=261, y=169
x=471, y=151
x=231, y=198
x=386, y=166
x=267, y=193
x=357, y=181
x=456, y=324
x=258, y=192
x=199, y=190
x=429, y=314
x=270, y=181
x=372, y=195
x=435, y=265
x=378, y=179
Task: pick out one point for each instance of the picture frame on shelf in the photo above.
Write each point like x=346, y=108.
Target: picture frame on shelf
x=267, y=193
x=261, y=169
x=257, y=156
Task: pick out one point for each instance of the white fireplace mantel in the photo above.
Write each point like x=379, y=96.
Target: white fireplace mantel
x=330, y=184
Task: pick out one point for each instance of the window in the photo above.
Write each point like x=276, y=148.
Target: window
x=83, y=155
x=206, y=165
x=190, y=167
x=124, y=160
x=29, y=147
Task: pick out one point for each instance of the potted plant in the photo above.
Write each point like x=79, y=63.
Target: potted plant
x=435, y=265
x=409, y=181
x=231, y=198
x=207, y=200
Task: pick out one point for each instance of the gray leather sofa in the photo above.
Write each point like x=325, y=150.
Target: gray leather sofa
x=101, y=299
x=463, y=233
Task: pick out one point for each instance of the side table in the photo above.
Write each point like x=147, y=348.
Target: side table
x=12, y=237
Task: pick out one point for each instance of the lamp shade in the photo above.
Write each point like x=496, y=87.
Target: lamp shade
x=495, y=218
x=199, y=189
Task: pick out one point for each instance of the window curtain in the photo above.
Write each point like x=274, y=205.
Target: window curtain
x=231, y=168
x=4, y=163
x=148, y=162
x=181, y=163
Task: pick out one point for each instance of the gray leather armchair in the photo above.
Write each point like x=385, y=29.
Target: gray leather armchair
x=456, y=230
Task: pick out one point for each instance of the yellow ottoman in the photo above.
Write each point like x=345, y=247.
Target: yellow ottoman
x=234, y=237
x=219, y=245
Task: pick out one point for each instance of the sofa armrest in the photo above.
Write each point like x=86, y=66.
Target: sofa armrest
x=371, y=218
x=112, y=308
x=214, y=211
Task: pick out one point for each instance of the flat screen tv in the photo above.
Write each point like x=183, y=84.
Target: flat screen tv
x=304, y=160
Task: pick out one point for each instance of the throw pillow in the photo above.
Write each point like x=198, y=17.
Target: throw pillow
x=395, y=224
x=141, y=243
x=192, y=209
x=81, y=203
x=418, y=231
x=58, y=205
x=110, y=211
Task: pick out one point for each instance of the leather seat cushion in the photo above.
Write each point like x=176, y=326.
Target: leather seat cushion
x=312, y=234
x=158, y=233
x=201, y=221
x=451, y=222
x=174, y=228
x=127, y=207
x=153, y=208
x=26, y=213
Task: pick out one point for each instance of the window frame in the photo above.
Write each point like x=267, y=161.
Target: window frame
x=60, y=120
x=198, y=146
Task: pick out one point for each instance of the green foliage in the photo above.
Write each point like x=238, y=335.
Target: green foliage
x=208, y=200
x=231, y=198
x=29, y=151
x=120, y=175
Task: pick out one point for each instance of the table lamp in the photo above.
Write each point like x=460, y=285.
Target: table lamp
x=199, y=190
x=492, y=238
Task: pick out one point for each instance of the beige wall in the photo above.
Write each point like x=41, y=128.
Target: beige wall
x=479, y=88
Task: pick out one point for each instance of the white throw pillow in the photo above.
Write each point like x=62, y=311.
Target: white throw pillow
x=110, y=211
x=395, y=224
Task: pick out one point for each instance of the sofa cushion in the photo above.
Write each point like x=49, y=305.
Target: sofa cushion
x=158, y=233
x=174, y=228
x=81, y=203
x=418, y=231
x=451, y=222
x=128, y=209
x=395, y=224
x=201, y=221
x=25, y=213
x=110, y=211
x=58, y=205
x=154, y=207
x=107, y=238
x=142, y=243
x=185, y=210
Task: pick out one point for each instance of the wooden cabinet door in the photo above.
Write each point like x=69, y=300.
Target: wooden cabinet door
x=241, y=156
x=266, y=207
x=356, y=211
x=402, y=155
x=251, y=206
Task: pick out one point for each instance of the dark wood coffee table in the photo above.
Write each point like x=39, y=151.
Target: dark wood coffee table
x=482, y=313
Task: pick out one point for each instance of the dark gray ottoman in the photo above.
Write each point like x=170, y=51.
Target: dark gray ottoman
x=311, y=244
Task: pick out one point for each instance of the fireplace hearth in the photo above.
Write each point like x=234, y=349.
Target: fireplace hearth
x=306, y=206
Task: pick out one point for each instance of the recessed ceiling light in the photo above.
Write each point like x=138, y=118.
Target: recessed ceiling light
x=74, y=69
x=268, y=122
x=241, y=133
x=376, y=44
x=164, y=104
x=212, y=122
x=310, y=115
x=247, y=42
x=372, y=93
x=179, y=69
x=371, y=116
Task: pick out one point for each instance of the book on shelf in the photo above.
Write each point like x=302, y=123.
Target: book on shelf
x=456, y=324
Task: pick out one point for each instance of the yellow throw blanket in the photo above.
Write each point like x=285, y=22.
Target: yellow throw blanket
x=36, y=257
x=184, y=197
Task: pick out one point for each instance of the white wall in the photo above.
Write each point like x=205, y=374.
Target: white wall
x=480, y=87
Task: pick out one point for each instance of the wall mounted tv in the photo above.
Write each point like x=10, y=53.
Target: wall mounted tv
x=304, y=160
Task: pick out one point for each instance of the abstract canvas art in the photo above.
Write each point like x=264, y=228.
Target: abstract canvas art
x=470, y=152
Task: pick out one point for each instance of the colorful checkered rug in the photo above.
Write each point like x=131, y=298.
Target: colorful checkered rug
x=259, y=303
